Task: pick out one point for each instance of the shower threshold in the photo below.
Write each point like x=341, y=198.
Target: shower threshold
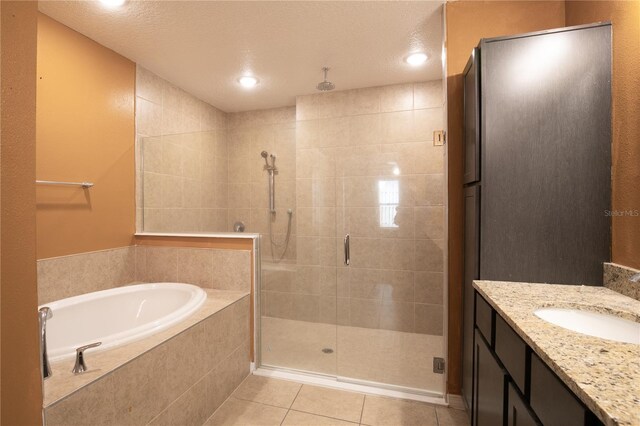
x=353, y=385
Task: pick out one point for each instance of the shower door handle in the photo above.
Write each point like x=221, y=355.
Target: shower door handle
x=347, y=255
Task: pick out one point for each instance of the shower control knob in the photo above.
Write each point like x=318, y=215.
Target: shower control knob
x=238, y=227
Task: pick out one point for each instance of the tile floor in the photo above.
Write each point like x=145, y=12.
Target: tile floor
x=266, y=401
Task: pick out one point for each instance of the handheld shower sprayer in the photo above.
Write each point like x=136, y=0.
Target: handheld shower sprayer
x=271, y=168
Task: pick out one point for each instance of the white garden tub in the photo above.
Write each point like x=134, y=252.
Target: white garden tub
x=118, y=316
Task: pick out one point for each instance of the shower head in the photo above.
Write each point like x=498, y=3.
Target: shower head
x=325, y=86
x=265, y=155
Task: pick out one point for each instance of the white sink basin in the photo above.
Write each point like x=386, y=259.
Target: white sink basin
x=594, y=324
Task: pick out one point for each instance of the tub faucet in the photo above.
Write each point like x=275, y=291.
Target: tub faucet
x=80, y=366
x=44, y=314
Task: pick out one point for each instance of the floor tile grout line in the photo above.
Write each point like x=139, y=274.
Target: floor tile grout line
x=290, y=405
x=258, y=402
x=296, y=397
x=364, y=401
x=285, y=416
x=326, y=417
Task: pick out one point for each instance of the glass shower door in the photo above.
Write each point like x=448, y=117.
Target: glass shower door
x=390, y=296
x=299, y=297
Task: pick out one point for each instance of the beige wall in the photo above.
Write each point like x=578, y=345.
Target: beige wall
x=468, y=22
x=182, y=182
x=85, y=132
x=21, y=380
x=625, y=17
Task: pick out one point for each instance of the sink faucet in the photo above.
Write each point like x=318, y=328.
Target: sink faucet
x=44, y=314
x=635, y=278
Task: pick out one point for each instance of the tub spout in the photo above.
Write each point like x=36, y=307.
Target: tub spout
x=44, y=314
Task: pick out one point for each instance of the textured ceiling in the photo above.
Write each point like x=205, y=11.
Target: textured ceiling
x=204, y=46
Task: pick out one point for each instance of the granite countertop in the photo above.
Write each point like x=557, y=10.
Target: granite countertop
x=604, y=374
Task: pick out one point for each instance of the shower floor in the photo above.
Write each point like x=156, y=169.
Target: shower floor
x=384, y=356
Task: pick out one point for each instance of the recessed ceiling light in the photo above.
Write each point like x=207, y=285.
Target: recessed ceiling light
x=112, y=4
x=416, y=59
x=248, y=81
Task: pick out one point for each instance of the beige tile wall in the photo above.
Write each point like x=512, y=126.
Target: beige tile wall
x=67, y=276
x=181, y=381
x=332, y=151
x=207, y=268
x=250, y=133
x=181, y=163
x=346, y=143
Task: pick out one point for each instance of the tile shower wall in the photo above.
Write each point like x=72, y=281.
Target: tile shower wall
x=338, y=155
x=366, y=165
x=181, y=163
x=250, y=133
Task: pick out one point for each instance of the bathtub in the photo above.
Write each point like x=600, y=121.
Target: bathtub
x=118, y=316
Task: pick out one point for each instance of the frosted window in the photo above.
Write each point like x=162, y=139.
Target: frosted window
x=388, y=199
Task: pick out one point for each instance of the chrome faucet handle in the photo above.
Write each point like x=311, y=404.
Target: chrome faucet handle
x=635, y=278
x=80, y=366
x=44, y=314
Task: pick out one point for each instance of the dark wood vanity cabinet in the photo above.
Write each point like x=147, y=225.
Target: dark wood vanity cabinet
x=490, y=382
x=512, y=386
x=518, y=412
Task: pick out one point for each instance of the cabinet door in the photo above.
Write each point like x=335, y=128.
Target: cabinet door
x=551, y=400
x=517, y=412
x=546, y=156
x=489, y=386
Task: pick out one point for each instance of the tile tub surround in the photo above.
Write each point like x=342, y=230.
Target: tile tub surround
x=178, y=376
x=67, y=276
x=604, y=374
x=208, y=268
x=617, y=278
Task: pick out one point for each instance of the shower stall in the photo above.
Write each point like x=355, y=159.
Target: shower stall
x=347, y=193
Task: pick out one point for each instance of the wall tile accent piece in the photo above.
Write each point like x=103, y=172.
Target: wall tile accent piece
x=618, y=278
x=207, y=268
x=67, y=276
x=156, y=388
